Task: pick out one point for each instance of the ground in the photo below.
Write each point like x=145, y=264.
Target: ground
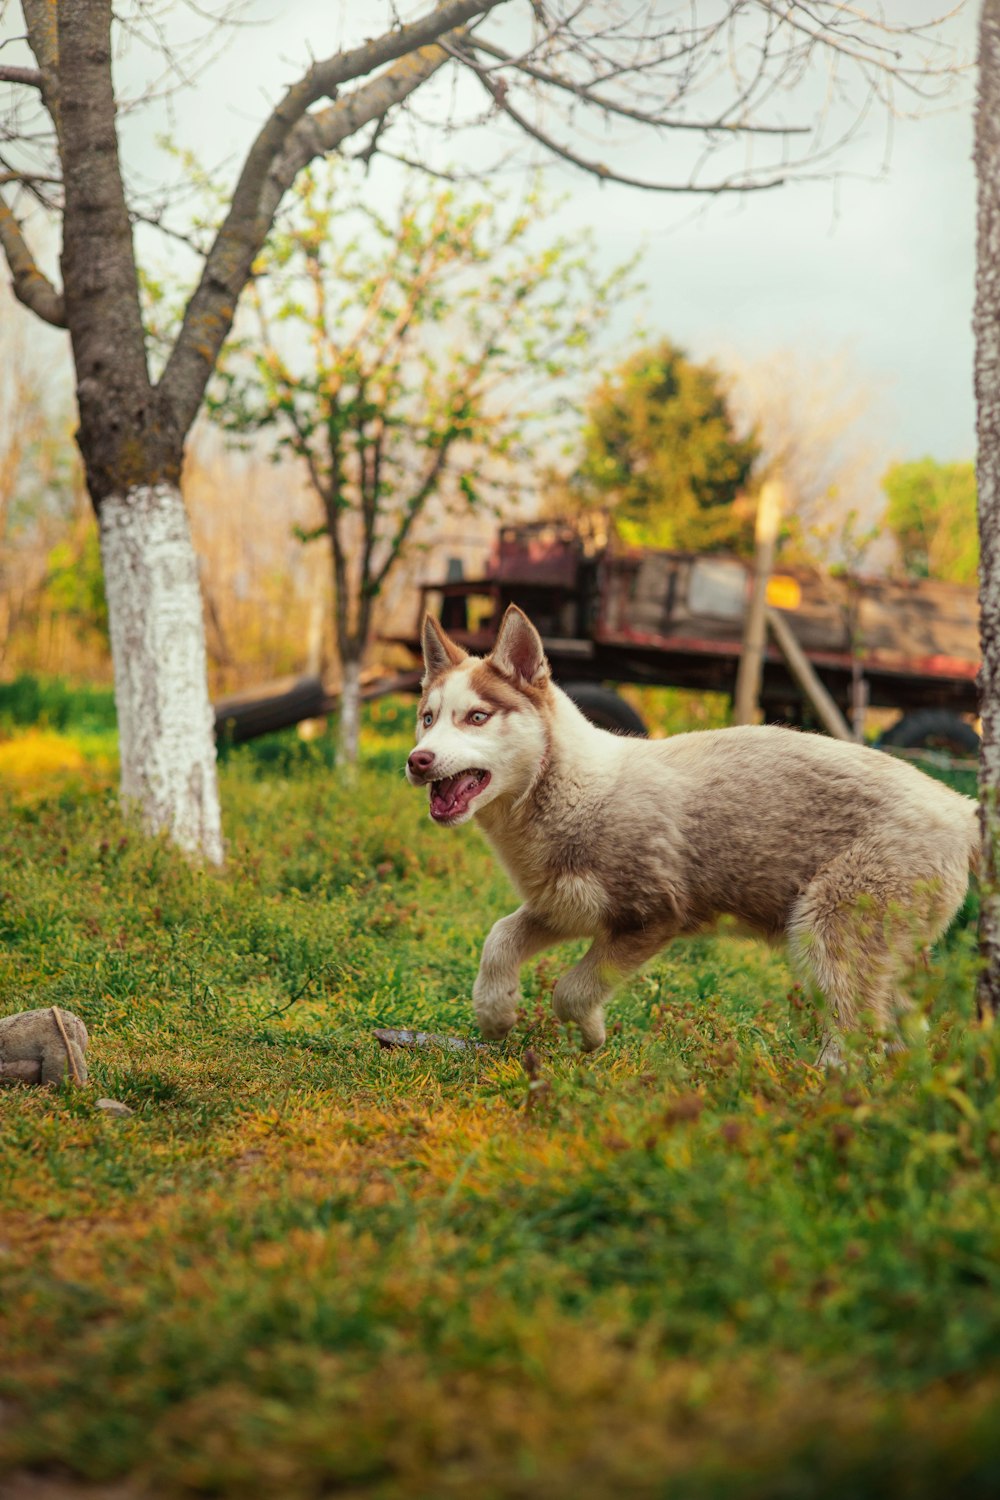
x=688, y=1265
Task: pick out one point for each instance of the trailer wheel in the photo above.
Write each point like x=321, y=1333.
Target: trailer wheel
x=605, y=708
x=932, y=729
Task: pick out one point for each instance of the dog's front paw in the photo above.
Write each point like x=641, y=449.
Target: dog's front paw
x=496, y=1006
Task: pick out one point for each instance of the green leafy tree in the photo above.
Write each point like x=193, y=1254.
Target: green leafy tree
x=662, y=449
x=931, y=512
x=405, y=361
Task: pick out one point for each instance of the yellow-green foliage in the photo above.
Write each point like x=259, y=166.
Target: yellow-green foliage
x=33, y=762
x=931, y=512
x=688, y=1265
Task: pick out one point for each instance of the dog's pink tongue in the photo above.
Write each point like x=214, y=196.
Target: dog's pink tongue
x=450, y=795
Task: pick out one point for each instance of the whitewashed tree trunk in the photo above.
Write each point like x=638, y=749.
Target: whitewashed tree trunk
x=350, y=710
x=165, y=721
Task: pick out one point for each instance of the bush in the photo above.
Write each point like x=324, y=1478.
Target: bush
x=52, y=703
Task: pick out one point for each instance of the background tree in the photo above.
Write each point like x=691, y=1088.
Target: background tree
x=931, y=512
x=405, y=360
x=40, y=481
x=662, y=450
x=547, y=67
x=820, y=427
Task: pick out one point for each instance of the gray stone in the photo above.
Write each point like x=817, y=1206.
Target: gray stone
x=113, y=1107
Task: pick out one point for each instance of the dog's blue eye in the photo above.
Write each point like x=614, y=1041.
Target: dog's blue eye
x=478, y=716
x=428, y=720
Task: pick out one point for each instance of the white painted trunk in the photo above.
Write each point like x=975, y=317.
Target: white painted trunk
x=165, y=721
x=350, y=711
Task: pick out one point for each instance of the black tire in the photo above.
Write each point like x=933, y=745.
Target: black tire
x=932, y=729
x=603, y=707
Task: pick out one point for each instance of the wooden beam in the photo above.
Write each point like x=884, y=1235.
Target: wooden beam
x=802, y=671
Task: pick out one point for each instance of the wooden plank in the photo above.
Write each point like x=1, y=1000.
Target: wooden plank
x=918, y=619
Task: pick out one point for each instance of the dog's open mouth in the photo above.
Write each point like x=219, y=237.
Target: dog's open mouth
x=451, y=797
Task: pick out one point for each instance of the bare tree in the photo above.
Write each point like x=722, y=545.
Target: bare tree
x=711, y=86
x=819, y=423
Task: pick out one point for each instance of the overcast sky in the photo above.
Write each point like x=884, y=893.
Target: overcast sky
x=879, y=265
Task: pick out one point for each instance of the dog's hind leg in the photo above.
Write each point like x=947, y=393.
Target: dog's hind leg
x=581, y=993
x=496, y=993
x=856, y=928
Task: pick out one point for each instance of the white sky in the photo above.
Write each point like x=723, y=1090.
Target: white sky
x=882, y=268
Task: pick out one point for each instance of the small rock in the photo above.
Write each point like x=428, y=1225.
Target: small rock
x=388, y=1037
x=247, y=1160
x=113, y=1107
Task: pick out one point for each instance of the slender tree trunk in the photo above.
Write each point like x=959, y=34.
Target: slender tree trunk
x=165, y=722
x=986, y=324
x=350, y=708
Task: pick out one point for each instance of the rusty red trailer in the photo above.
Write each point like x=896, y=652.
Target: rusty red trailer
x=611, y=614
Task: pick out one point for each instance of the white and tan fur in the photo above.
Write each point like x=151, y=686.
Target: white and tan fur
x=855, y=858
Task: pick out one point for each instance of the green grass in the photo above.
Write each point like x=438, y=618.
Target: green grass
x=688, y=1266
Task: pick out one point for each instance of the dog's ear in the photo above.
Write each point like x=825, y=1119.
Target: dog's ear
x=519, y=652
x=440, y=652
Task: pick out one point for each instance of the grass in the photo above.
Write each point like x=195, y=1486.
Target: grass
x=688, y=1266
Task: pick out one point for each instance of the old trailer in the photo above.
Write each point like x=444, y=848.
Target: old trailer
x=610, y=614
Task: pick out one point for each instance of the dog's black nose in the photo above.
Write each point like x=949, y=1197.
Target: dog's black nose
x=420, y=761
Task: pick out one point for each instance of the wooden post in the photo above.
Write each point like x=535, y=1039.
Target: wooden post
x=748, y=678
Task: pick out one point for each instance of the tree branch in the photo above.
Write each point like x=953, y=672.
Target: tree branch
x=40, y=18
x=31, y=286
x=609, y=106
x=29, y=178
x=289, y=140
x=30, y=76
x=414, y=507
x=600, y=169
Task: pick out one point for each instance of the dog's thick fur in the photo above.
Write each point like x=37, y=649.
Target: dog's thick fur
x=856, y=858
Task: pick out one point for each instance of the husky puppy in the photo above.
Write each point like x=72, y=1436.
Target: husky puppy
x=855, y=858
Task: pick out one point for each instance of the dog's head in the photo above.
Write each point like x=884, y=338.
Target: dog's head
x=481, y=721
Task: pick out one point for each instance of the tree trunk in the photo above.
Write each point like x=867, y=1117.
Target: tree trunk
x=165, y=721
x=986, y=324
x=132, y=445
x=350, y=708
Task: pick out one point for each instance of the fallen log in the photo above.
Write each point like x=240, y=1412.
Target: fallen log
x=285, y=703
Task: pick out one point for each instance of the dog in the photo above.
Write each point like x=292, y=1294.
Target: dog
x=856, y=859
